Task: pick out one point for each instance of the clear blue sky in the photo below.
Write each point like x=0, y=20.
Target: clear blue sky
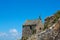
x=13, y=13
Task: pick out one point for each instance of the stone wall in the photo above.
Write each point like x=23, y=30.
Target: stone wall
x=26, y=32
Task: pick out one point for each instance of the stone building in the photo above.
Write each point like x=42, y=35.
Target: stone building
x=31, y=27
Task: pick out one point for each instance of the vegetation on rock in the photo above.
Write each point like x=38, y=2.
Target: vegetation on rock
x=49, y=21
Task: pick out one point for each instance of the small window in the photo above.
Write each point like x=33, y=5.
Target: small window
x=40, y=28
x=23, y=26
x=30, y=27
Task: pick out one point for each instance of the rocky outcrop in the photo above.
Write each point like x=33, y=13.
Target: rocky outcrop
x=51, y=33
x=49, y=21
x=51, y=30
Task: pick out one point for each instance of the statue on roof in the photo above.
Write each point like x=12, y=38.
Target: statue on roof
x=39, y=17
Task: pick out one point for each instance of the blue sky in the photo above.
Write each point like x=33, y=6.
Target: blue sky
x=13, y=13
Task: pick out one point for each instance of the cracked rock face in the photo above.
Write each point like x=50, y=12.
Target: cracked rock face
x=48, y=35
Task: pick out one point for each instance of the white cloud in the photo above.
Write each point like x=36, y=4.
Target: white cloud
x=11, y=34
x=3, y=34
x=13, y=31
